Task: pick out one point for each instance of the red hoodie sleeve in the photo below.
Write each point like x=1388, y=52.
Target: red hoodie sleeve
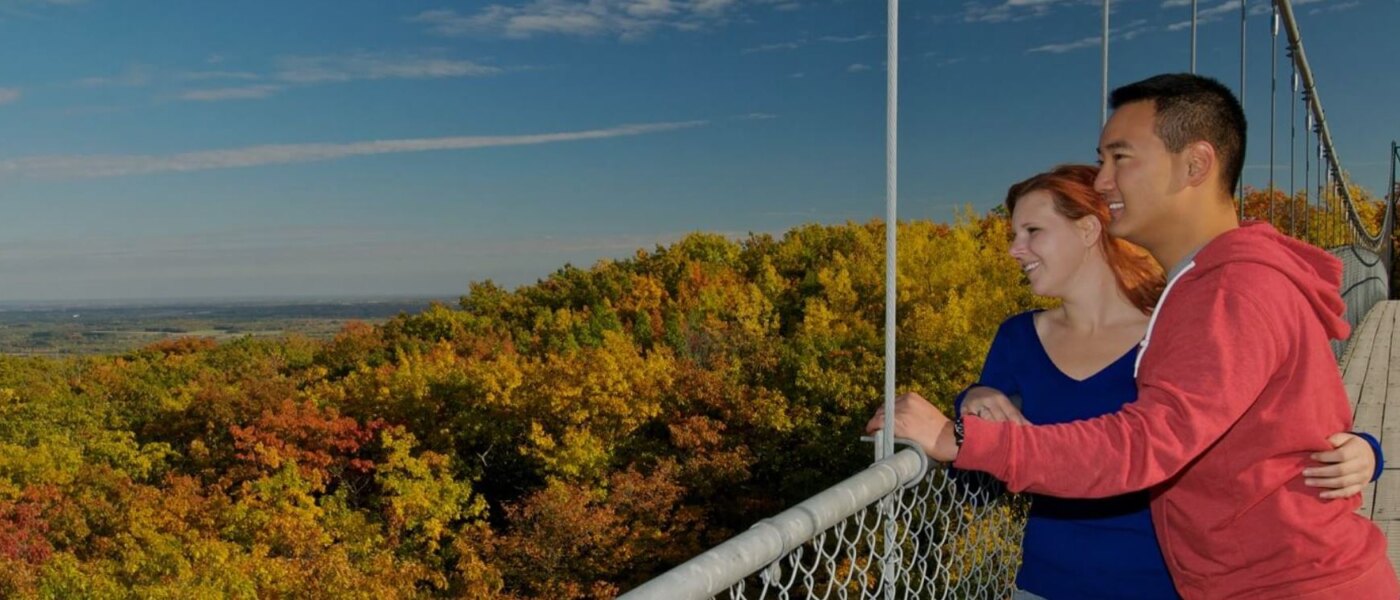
x=1209, y=355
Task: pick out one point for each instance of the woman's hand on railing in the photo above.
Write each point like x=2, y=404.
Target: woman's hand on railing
x=1346, y=469
x=920, y=421
x=992, y=405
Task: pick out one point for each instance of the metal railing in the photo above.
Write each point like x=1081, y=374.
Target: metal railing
x=893, y=531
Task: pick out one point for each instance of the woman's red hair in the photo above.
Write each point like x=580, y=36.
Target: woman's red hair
x=1072, y=186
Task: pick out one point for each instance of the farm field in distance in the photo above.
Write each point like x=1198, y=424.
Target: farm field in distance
x=76, y=328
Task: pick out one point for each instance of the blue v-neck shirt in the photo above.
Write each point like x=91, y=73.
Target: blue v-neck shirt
x=1074, y=548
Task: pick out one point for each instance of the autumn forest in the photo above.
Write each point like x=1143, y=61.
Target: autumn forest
x=566, y=439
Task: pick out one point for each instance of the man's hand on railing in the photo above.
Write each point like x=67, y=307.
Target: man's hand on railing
x=992, y=405
x=918, y=420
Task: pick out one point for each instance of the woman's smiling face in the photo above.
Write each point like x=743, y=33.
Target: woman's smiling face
x=1049, y=247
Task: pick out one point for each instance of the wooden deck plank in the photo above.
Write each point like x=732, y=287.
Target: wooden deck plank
x=1391, y=529
x=1375, y=383
x=1387, y=502
x=1358, y=354
x=1356, y=365
x=1370, y=419
x=1368, y=496
x=1369, y=404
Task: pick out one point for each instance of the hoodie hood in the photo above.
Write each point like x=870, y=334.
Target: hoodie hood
x=1315, y=272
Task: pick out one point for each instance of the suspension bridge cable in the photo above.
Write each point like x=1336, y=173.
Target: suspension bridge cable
x=1273, y=93
x=1371, y=242
x=885, y=441
x=1193, y=36
x=1390, y=203
x=1307, y=173
x=885, y=446
x=1103, y=107
x=1244, y=13
x=1316, y=192
x=1292, y=148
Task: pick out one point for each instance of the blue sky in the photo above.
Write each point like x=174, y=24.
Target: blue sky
x=254, y=149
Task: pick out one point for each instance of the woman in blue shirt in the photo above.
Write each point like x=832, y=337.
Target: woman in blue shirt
x=1085, y=349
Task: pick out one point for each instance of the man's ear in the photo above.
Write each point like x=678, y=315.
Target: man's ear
x=1201, y=163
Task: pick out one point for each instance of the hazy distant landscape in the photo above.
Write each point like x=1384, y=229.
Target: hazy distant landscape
x=70, y=328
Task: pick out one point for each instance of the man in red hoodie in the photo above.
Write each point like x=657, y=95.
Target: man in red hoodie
x=1237, y=384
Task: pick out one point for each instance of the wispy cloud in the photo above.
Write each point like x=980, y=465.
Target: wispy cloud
x=857, y=68
x=1338, y=7
x=324, y=69
x=249, y=92
x=135, y=75
x=314, y=70
x=30, y=8
x=625, y=19
x=941, y=60
x=1259, y=5
x=773, y=47
x=1203, y=16
x=209, y=75
x=78, y=167
x=1014, y=10
x=793, y=45
x=1127, y=32
x=1063, y=47
x=1225, y=9
x=838, y=39
x=8, y=95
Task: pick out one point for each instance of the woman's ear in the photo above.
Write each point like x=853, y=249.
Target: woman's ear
x=1089, y=229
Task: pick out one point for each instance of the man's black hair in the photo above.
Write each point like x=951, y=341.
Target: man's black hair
x=1192, y=108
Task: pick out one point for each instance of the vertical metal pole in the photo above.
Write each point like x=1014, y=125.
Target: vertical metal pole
x=1394, y=158
x=1273, y=103
x=1103, y=107
x=1244, y=12
x=885, y=443
x=1390, y=223
x=1327, y=206
x=1307, y=177
x=1292, y=150
x=1326, y=192
x=1193, y=36
x=1337, y=234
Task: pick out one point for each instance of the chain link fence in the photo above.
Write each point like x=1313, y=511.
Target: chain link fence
x=895, y=535
x=956, y=535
